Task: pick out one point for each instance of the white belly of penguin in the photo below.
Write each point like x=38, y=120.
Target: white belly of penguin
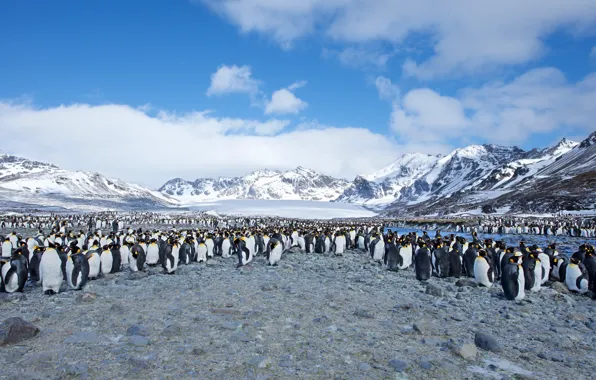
x=124, y=255
x=327, y=244
x=301, y=243
x=6, y=249
x=481, y=268
x=152, y=254
x=225, y=248
x=537, y=277
x=202, y=253
x=406, y=254
x=50, y=271
x=340, y=245
x=379, y=251
x=545, y=261
x=94, y=265
x=209, y=244
x=13, y=284
x=571, y=275
x=171, y=267
x=361, y=242
x=275, y=254
x=106, y=262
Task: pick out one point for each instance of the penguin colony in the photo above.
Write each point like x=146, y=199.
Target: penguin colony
x=77, y=258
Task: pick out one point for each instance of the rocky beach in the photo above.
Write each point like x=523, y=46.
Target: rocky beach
x=313, y=316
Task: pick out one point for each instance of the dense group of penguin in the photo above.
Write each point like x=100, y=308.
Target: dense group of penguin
x=76, y=258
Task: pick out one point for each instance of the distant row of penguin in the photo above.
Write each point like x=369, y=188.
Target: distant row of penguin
x=76, y=258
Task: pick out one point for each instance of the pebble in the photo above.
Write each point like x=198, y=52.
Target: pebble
x=364, y=314
x=486, y=342
x=260, y=362
x=365, y=367
x=83, y=337
x=466, y=351
x=15, y=330
x=137, y=340
x=434, y=290
x=398, y=365
x=466, y=282
x=78, y=369
x=137, y=330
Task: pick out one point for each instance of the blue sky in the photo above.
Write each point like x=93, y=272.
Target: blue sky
x=287, y=79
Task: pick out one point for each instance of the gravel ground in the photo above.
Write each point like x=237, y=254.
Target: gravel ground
x=313, y=316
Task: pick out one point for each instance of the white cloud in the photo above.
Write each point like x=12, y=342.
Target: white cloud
x=466, y=35
x=232, y=79
x=387, y=90
x=360, y=57
x=539, y=101
x=284, y=101
x=122, y=141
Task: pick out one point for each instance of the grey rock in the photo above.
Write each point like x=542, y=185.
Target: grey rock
x=137, y=340
x=137, y=330
x=268, y=287
x=560, y=287
x=82, y=337
x=38, y=361
x=466, y=351
x=486, y=342
x=14, y=330
x=592, y=326
x=398, y=365
x=137, y=276
x=86, y=297
x=231, y=325
x=141, y=362
x=434, y=290
x=424, y=327
x=78, y=369
x=260, y=362
x=466, y=282
x=364, y=314
x=426, y=365
x=171, y=331
x=365, y=367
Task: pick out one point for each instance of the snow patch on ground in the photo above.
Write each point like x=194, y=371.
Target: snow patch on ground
x=283, y=208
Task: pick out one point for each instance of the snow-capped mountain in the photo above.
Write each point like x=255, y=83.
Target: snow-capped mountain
x=39, y=183
x=297, y=184
x=416, y=177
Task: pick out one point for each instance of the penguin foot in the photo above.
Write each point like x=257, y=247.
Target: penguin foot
x=239, y=266
x=49, y=292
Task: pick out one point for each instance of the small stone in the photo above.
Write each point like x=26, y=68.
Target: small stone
x=486, y=342
x=592, y=326
x=560, y=287
x=137, y=276
x=466, y=282
x=211, y=262
x=364, y=314
x=365, y=367
x=434, y=290
x=426, y=365
x=137, y=330
x=78, y=369
x=225, y=311
x=15, y=330
x=466, y=351
x=260, y=362
x=268, y=287
x=82, y=337
x=398, y=365
x=171, y=331
x=86, y=297
x=198, y=351
x=231, y=325
x=137, y=340
x=140, y=363
x=423, y=327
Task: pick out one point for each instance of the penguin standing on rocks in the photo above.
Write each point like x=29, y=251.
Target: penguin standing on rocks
x=455, y=261
x=14, y=273
x=172, y=251
x=590, y=264
x=244, y=255
x=512, y=278
x=77, y=270
x=152, y=254
x=559, y=268
x=545, y=263
x=50, y=270
x=532, y=271
x=442, y=262
x=483, y=269
x=377, y=248
x=422, y=263
x=137, y=258
x=106, y=260
x=469, y=258
x=405, y=251
x=34, y=261
x=339, y=243
x=392, y=258
x=274, y=251
x=576, y=276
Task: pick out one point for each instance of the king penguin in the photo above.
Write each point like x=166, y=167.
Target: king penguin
x=422, y=263
x=483, y=269
x=576, y=276
x=50, y=271
x=14, y=273
x=77, y=270
x=512, y=278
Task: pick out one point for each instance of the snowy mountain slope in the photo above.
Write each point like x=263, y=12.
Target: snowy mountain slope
x=45, y=184
x=297, y=184
x=416, y=178
x=562, y=177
